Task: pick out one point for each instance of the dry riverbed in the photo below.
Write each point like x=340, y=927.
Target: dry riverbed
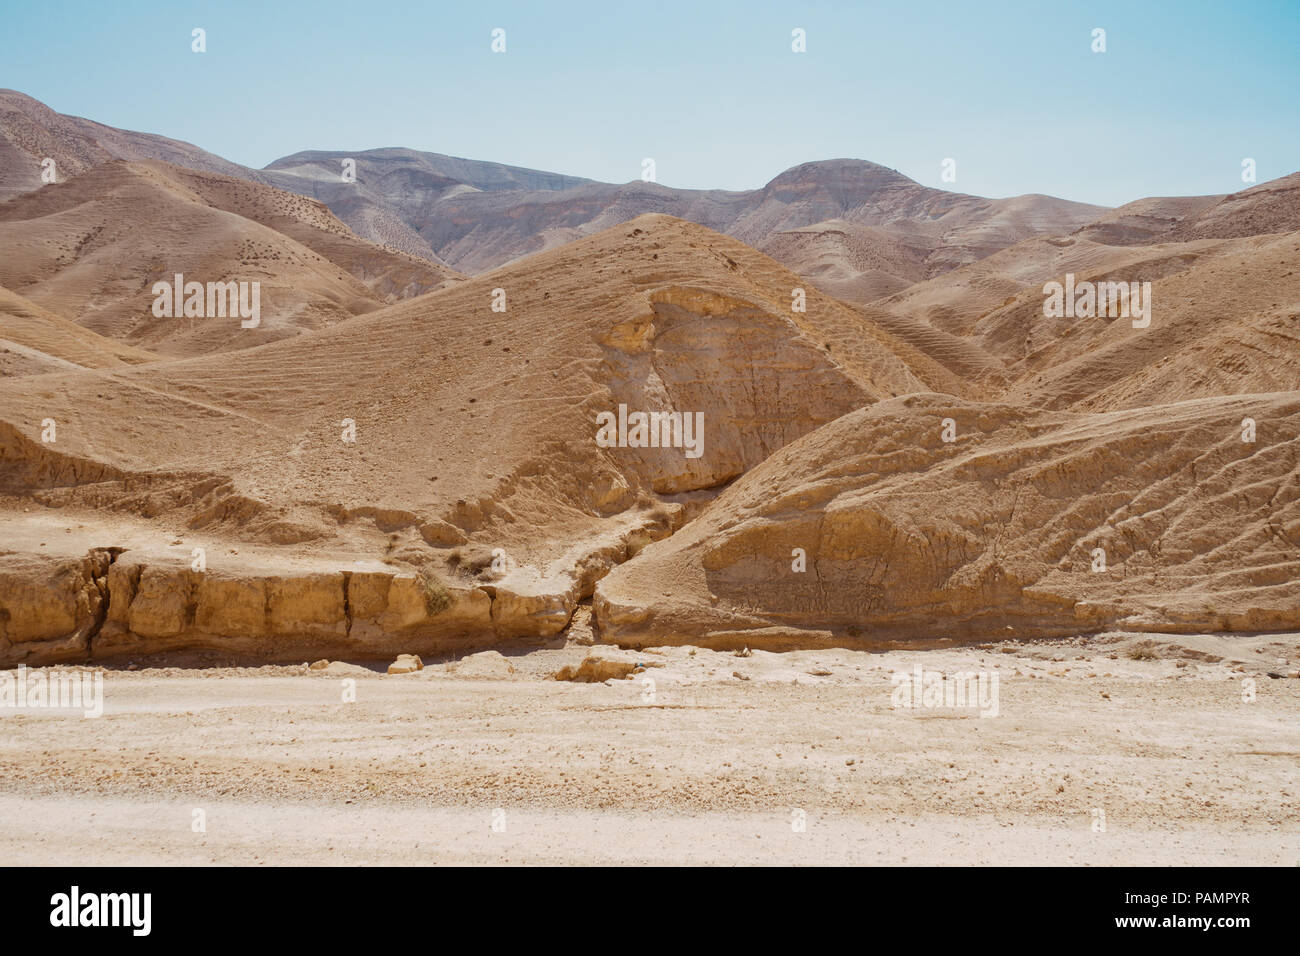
x=1118, y=749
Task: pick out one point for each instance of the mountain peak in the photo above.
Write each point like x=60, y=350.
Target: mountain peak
x=837, y=172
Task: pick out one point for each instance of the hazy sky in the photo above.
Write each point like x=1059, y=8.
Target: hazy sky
x=712, y=91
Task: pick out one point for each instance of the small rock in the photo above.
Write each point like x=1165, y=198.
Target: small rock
x=738, y=675
x=319, y=665
x=744, y=652
x=406, y=664
x=596, y=670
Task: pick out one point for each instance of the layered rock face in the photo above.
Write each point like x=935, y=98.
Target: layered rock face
x=111, y=604
x=874, y=528
x=123, y=602
x=156, y=608
x=754, y=380
x=50, y=608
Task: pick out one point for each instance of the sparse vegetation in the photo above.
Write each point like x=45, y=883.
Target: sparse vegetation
x=661, y=514
x=436, y=596
x=636, y=542
x=1146, y=650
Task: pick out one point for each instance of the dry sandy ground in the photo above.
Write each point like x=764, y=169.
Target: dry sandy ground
x=711, y=768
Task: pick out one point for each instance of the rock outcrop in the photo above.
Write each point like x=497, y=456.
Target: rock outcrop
x=96, y=607
x=874, y=529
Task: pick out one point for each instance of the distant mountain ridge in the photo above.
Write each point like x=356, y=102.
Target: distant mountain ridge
x=856, y=229
x=30, y=132
x=476, y=215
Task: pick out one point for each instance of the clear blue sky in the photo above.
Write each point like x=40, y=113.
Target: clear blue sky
x=710, y=90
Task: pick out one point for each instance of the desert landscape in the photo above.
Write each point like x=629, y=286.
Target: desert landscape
x=458, y=512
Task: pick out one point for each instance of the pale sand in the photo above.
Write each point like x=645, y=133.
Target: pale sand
x=708, y=772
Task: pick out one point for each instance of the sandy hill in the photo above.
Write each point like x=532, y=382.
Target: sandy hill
x=34, y=340
x=1143, y=220
x=851, y=262
x=92, y=248
x=1269, y=207
x=907, y=537
x=889, y=250
x=416, y=167
x=889, y=232
x=30, y=132
x=389, y=274
x=1225, y=315
x=475, y=429
x=395, y=188
x=956, y=301
x=1225, y=319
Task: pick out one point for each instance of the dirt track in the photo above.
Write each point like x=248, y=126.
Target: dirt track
x=710, y=769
